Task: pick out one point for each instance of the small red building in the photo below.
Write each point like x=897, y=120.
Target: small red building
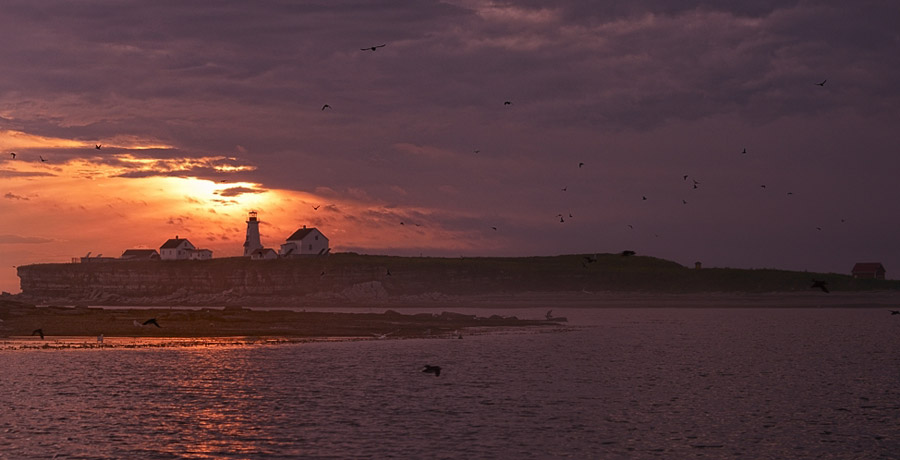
x=868, y=270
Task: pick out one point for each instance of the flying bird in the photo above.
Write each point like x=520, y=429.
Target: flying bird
x=326, y=106
x=98, y=146
x=42, y=158
x=684, y=177
x=316, y=207
x=373, y=48
x=565, y=188
x=477, y=151
x=13, y=155
x=150, y=321
x=683, y=202
x=429, y=369
x=823, y=82
x=507, y=102
x=495, y=228
x=745, y=151
x=644, y=198
x=39, y=332
x=820, y=285
x=580, y=164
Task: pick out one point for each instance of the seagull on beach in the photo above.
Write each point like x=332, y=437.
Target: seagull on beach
x=429, y=369
x=150, y=321
x=39, y=332
x=382, y=336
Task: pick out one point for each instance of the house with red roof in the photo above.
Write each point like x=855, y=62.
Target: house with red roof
x=871, y=270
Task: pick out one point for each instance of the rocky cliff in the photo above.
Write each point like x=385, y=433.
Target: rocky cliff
x=360, y=277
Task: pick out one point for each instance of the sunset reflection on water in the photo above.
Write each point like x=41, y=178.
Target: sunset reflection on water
x=622, y=383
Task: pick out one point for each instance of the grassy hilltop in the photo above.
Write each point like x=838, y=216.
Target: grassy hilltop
x=362, y=275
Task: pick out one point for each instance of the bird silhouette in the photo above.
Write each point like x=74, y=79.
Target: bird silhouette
x=39, y=332
x=744, y=151
x=823, y=82
x=684, y=177
x=98, y=146
x=495, y=228
x=42, y=158
x=507, y=102
x=150, y=321
x=643, y=198
x=683, y=202
x=316, y=207
x=477, y=151
x=820, y=284
x=373, y=48
x=580, y=164
x=895, y=312
x=326, y=106
x=13, y=155
x=565, y=188
x=429, y=369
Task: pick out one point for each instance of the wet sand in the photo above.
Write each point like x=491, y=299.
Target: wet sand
x=20, y=320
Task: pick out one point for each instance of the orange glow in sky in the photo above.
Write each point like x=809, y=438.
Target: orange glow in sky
x=58, y=209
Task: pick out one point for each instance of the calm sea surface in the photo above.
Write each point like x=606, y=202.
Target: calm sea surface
x=643, y=383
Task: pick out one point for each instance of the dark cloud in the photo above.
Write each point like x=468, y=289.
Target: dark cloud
x=13, y=173
x=237, y=191
x=17, y=239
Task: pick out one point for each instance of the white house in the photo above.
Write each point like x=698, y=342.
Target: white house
x=305, y=241
x=181, y=249
x=201, y=254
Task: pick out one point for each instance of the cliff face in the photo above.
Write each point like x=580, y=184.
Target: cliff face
x=349, y=276
x=346, y=274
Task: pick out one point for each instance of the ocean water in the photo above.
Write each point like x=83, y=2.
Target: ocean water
x=617, y=383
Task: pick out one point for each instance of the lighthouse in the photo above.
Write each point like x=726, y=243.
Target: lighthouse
x=252, y=242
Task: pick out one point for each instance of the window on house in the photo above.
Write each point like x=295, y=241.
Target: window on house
x=317, y=237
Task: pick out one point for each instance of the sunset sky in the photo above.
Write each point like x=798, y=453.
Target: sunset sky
x=207, y=110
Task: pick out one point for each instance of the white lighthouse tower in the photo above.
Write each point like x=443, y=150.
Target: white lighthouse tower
x=252, y=242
